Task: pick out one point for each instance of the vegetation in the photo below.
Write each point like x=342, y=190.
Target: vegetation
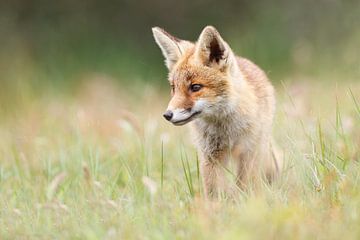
x=85, y=153
x=102, y=164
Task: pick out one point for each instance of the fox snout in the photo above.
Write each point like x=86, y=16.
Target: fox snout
x=168, y=115
x=180, y=117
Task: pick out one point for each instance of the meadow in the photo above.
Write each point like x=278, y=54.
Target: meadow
x=86, y=154
x=99, y=162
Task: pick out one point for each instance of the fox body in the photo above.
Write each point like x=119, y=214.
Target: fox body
x=229, y=102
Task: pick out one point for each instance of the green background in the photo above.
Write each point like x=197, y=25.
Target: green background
x=61, y=40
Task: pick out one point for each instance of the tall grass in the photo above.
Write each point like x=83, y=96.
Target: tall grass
x=102, y=164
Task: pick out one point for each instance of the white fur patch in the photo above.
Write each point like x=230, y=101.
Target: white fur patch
x=180, y=114
x=199, y=105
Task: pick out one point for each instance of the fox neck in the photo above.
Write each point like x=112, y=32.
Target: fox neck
x=232, y=106
x=230, y=120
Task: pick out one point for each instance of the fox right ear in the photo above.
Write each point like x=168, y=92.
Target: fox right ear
x=169, y=45
x=212, y=50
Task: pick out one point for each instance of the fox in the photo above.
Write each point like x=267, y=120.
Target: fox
x=230, y=103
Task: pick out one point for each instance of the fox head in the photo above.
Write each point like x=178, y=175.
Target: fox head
x=201, y=75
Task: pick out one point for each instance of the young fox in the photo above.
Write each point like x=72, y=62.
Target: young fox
x=229, y=101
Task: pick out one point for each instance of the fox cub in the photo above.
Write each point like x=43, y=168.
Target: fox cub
x=229, y=102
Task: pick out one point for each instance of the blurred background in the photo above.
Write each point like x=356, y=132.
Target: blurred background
x=56, y=46
x=84, y=146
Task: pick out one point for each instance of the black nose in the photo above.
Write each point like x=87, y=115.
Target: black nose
x=168, y=115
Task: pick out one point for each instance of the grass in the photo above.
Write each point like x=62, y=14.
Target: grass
x=102, y=164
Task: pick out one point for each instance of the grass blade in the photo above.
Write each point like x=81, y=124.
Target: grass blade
x=162, y=164
x=357, y=106
x=187, y=175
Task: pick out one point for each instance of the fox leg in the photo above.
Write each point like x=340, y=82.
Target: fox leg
x=213, y=176
x=275, y=162
x=245, y=169
x=265, y=162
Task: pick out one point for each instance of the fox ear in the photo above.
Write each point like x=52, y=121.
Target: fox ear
x=211, y=49
x=169, y=45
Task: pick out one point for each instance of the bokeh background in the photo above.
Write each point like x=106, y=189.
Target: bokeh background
x=56, y=44
x=86, y=154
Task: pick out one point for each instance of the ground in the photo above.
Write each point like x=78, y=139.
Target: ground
x=101, y=163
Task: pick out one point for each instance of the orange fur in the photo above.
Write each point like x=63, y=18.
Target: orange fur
x=231, y=114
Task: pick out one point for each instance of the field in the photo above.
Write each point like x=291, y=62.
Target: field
x=99, y=162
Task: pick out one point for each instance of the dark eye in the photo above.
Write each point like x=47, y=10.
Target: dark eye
x=172, y=88
x=195, y=87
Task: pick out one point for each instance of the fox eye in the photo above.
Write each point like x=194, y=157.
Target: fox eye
x=172, y=88
x=195, y=87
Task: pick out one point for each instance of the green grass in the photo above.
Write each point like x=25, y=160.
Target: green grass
x=103, y=164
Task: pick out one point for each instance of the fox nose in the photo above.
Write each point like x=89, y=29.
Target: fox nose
x=168, y=115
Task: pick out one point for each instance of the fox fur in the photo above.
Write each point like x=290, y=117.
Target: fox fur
x=229, y=102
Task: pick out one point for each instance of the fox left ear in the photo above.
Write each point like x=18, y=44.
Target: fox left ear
x=170, y=46
x=212, y=50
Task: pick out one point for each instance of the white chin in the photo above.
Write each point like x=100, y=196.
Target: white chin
x=179, y=122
